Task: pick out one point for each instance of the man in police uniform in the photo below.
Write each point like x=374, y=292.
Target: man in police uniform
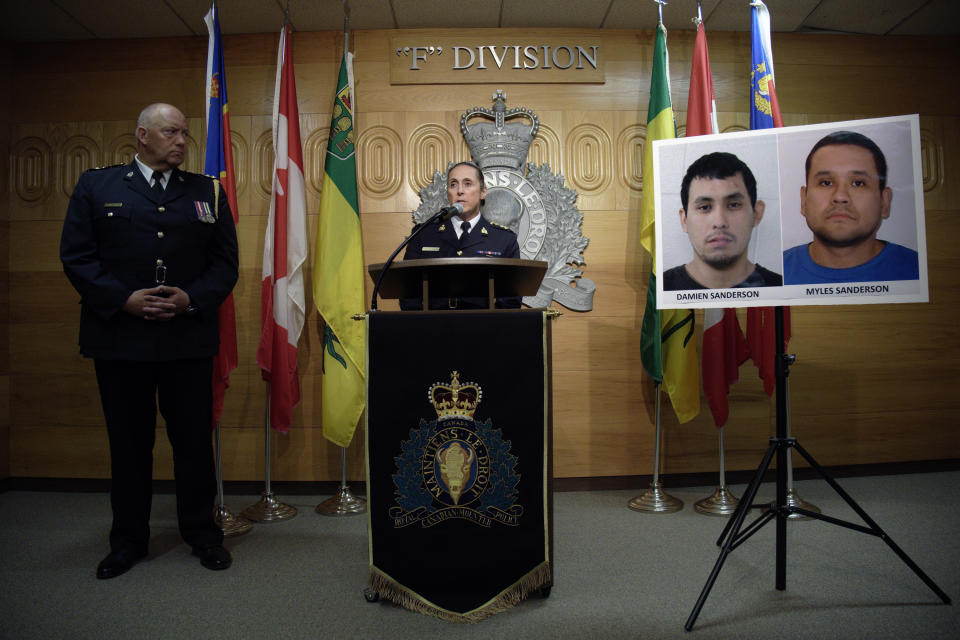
x=152, y=250
x=465, y=235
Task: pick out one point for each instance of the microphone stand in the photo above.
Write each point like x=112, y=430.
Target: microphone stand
x=455, y=208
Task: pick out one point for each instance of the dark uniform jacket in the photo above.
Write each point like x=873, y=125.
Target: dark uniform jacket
x=119, y=236
x=440, y=240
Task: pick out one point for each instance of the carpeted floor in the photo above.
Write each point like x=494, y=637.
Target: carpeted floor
x=618, y=573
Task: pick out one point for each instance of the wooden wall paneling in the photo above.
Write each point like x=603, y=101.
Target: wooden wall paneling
x=872, y=383
x=589, y=158
x=381, y=163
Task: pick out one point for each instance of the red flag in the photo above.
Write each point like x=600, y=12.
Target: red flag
x=219, y=163
x=724, y=347
x=764, y=114
x=285, y=250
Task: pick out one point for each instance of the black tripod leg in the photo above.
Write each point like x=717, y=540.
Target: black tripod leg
x=873, y=525
x=731, y=531
x=743, y=507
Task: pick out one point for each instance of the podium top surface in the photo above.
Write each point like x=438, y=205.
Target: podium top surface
x=449, y=277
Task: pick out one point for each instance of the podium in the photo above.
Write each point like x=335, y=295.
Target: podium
x=438, y=278
x=459, y=440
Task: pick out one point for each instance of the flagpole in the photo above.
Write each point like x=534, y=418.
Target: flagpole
x=230, y=524
x=721, y=502
x=655, y=499
x=793, y=498
x=268, y=508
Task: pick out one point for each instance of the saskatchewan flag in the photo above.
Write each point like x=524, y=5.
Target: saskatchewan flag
x=668, y=346
x=338, y=272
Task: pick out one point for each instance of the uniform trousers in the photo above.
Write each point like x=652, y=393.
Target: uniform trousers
x=129, y=393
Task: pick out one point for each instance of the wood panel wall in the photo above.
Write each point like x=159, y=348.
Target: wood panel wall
x=871, y=384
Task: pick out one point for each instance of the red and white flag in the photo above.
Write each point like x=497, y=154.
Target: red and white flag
x=282, y=301
x=724, y=347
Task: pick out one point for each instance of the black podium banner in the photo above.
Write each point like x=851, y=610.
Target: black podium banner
x=457, y=460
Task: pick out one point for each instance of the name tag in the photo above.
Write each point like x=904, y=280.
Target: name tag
x=430, y=249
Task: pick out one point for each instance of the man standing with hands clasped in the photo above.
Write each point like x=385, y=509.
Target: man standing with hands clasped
x=152, y=251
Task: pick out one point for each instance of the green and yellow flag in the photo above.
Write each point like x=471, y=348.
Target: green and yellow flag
x=668, y=346
x=338, y=272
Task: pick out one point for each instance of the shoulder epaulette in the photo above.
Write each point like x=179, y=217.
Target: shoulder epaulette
x=498, y=225
x=110, y=166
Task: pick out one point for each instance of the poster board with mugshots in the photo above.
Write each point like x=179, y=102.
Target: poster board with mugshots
x=845, y=234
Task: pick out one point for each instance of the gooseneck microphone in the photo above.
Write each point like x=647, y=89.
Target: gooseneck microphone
x=455, y=209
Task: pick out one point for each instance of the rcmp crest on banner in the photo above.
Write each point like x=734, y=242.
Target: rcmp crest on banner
x=455, y=466
x=535, y=205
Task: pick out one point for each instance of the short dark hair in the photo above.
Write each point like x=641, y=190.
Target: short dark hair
x=718, y=166
x=467, y=163
x=857, y=140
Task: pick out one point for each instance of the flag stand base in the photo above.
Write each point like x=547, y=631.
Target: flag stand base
x=722, y=503
x=269, y=509
x=230, y=524
x=344, y=503
x=732, y=536
x=655, y=500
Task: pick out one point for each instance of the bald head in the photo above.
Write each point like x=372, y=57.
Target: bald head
x=161, y=136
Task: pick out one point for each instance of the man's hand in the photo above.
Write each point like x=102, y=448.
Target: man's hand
x=159, y=303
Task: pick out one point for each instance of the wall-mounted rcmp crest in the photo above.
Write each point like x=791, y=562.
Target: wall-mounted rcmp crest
x=455, y=466
x=536, y=206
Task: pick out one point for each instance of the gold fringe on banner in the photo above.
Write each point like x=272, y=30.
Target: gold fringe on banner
x=390, y=589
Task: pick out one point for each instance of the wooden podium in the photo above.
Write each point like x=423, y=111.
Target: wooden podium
x=489, y=278
x=459, y=440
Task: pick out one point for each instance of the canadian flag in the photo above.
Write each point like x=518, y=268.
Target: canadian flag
x=282, y=300
x=724, y=347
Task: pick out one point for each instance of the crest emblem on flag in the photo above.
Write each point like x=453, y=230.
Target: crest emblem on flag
x=760, y=79
x=341, y=128
x=455, y=466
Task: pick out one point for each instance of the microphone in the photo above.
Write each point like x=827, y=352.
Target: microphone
x=455, y=209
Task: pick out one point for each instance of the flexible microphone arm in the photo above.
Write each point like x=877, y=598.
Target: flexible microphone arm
x=454, y=209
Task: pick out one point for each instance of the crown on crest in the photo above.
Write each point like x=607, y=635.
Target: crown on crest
x=454, y=400
x=499, y=144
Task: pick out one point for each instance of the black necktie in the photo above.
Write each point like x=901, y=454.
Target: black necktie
x=157, y=185
x=464, y=232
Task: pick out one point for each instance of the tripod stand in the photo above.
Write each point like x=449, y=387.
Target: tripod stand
x=734, y=534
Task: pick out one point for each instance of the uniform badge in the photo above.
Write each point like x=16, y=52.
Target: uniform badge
x=203, y=211
x=483, y=231
x=494, y=254
x=443, y=227
x=430, y=249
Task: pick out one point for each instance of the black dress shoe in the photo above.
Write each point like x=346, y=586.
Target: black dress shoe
x=213, y=557
x=117, y=563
